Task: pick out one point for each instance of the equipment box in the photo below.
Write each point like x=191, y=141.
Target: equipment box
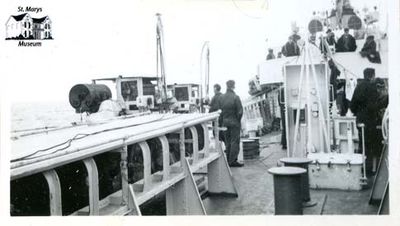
x=335, y=171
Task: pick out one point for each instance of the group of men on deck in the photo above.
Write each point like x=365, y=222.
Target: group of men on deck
x=232, y=111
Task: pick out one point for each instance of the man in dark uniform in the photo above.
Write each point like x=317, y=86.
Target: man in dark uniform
x=270, y=55
x=290, y=48
x=364, y=106
x=369, y=50
x=215, y=105
x=232, y=112
x=330, y=40
x=346, y=42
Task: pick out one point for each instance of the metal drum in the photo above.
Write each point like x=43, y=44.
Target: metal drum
x=88, y=97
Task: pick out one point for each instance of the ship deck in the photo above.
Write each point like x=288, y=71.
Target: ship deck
x=256, y=195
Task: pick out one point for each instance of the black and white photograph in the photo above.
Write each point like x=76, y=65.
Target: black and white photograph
x=217, y=108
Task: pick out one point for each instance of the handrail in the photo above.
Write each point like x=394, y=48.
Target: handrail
x=28, y=167
x=177, y=180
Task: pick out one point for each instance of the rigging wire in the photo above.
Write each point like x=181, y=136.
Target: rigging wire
x=78, y=136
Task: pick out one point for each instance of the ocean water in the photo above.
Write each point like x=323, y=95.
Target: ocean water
x=34, y=115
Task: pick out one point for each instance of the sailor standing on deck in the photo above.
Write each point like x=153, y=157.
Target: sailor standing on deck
x=364, y=106
x=270, y=55
x=215, y=105
x=291, y=48
x=232, y=112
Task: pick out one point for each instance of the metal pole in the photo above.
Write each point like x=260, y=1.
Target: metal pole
x=364, y=178
x=309, y=135
x=296, y=128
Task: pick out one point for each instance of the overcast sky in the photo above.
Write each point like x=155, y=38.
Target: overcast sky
x=94, y=39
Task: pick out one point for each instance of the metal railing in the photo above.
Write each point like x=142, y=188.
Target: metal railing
x=176, y=179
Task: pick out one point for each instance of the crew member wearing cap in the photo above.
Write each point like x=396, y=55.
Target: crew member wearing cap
x=346, y=42
x=215, y=105
x=330, y=40
x=232, y=112
x=270, y=55
x=369, y=50
x=364, y=106
x=291, y=48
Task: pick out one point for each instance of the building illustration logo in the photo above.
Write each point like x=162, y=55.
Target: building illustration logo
x=25, y=27
x=30, y=30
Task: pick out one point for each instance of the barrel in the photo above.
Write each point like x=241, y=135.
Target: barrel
x=88, y=97
x=251, y=148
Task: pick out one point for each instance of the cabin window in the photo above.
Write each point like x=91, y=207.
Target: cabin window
x=148, y=87
x=26, y=34
x=129, y=89
x=25, y=25
x=181, y=93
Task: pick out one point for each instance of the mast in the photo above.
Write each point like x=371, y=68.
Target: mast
x=206, y=49
x=160, y=71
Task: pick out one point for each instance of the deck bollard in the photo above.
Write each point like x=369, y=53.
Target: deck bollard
x=305, y=186
x=287, y=190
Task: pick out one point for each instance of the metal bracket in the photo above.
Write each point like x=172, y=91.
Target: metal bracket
x=183, y=198
x=220, y=179
x=132, y=204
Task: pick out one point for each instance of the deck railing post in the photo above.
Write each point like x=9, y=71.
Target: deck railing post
x=146, y=165
x=216, y=132
x=93, y=179
x=165, y=151
x=195, y=144
x=182, y=145
x=206, y=148
x=54, y=192
x=124, y=174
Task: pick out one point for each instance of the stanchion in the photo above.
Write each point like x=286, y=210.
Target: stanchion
x=302, y=163
x=287, y=190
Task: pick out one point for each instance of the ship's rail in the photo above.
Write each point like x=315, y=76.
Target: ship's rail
x=175, y=179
